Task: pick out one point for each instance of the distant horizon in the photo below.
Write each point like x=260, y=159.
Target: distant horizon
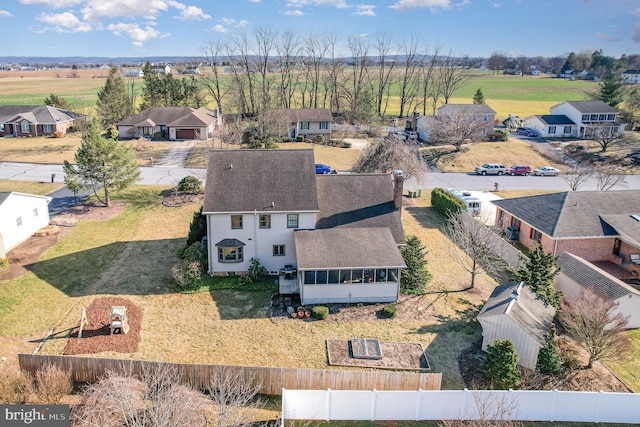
x=473, y=28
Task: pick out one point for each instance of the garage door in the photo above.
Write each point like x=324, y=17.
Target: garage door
x=185, y=134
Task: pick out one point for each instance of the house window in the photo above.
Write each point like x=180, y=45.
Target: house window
x=265, y=221
x=552, y=130
x=324, y=125
x=594, y=117
x=278, y=250
x=611, y=117
x=304, y=125
x=292, y=220
x=515, y=222
x=485, y=118
x=236, y=222
x=35, y=211
x=47, y=128
x=534, y=235
x=19, y=221
x=230, y=254
x=567, y=129
x=585, y=117
x=614, y=130
x=602, y=117
x=25, y=127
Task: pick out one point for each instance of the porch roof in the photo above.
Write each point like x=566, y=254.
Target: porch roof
x=347, y=248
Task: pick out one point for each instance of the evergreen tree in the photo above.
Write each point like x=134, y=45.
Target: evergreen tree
x=550, y=361
x=539, y=272
x=501, y=365
x=197, y=229
x=631, y=109
x=571, y=63
x=478, y=98
x=611, y=91
x=152, y=92
x=114, y=103
x=102, y=163
x=415, y=277
x=57, y=101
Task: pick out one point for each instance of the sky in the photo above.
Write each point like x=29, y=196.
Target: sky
x=477, y=28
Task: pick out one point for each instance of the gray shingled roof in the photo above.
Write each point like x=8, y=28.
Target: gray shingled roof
x=528, y=311
x=556, y=119
x=249, y=180
x=626, y=226
x=466, y=109
x=573, y=213
x=4, y=195
x=43, y=114
x=589, y=107
x=172, y=116
x=358, y=200
x=296, y=115
x=347, y=248
x=592, y=278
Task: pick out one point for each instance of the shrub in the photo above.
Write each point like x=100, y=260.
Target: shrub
x=334, y=142
x=287, y=139
x=320, y=139
x=58, y=134
x=389, y=311
x=320, y=312
x=197, y=229
x=157, y=136
x=345, y=144
x=190, y=184
x=501, y=365
x=299, y=138
x=446, y=204
x=498, y=135
x=196, y=252
x=113, y=133
x=186, y=275
x=15, y=388
x=550, y=360
x=4, y=263
x=52, y=384
x=257, y=271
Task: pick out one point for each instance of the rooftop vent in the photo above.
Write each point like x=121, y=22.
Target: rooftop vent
x=636, y=217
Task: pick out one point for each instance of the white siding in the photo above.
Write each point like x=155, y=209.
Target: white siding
x=502, y=328
x=568, y=111
x=355, y=292
x=534, y=122
x=22, y=206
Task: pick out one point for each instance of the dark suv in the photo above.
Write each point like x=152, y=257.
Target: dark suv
x=519, y=170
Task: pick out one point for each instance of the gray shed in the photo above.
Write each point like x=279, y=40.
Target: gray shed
x=514, y=312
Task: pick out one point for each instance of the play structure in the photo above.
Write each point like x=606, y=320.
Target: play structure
x=119, y=320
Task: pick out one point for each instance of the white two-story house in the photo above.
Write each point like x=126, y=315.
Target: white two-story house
x=590, y=117
x=305, y=122
x=330, y=238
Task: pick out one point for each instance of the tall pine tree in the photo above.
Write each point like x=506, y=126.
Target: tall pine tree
x=539, y=272
x=415, y=277
x=478, y=98
x=611, y=91
x=501, y=365
x=114, y=103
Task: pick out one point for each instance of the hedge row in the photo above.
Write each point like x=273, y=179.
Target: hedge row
x=445, y=203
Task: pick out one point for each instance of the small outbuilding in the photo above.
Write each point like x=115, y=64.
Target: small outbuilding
x=21, y=215
x=514, y=312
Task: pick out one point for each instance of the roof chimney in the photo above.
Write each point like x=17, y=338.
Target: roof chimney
x=398, y=185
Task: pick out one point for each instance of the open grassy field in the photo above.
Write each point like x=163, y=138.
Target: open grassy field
x=29, y=187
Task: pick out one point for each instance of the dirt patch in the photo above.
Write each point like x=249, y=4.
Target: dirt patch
x=96, y=334
x=174, y=199
x=24, y=257
x=395, y=355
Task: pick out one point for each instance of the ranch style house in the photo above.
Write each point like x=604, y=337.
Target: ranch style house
x=35, y=120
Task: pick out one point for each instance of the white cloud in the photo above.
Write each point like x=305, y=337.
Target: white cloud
x=365, y=10
x=242, y=23
x=5, y=14
x=295, y=12
x=227, y=21
x=65, y=22
x=612, y=38
x=219, y=29
x=138, y=35
x=496, y=5
x=636, y=12
x=193, y=13
x=404, y=5
x=340, y=4
x=94, y=10
x=55, y=4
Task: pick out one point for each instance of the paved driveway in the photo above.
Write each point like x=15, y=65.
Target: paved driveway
x=177, y=154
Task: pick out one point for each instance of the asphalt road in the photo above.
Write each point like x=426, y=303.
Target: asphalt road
x=468, y=181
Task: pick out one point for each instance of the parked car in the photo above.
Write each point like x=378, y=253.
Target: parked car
x=546, y=171
x=526, y=132
x=322, y=169
x=519, y=170
x=491, y=169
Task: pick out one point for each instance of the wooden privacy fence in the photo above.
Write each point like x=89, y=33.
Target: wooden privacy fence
x=271, y=380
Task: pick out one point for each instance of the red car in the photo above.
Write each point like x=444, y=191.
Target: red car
x=519, y=170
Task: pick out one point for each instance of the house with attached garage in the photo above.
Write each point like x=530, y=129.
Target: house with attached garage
x=21, y=215
x=592, y=118
x=305, y=122
x=552, y=126
x=514, y=312
x=328, y=238
x=36, y=120
x=172, y=123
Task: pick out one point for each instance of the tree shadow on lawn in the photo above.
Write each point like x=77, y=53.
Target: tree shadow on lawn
x=132, y=268
x=427, y=217
x=235, y=304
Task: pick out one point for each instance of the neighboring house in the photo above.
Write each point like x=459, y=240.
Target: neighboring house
x=514, y=312
x=591, y=77
x=132, y=72
x=578, y=276
x=172, y=122
x=329, y=238
x=591, y=117
x=21, y=215
x=480, y=113
x=552, y=126
x=631, y=77
x=161, y=69
x=594, y=225
x=423, y=124
x=305, y=122
x=36, y=120
x=191, y=70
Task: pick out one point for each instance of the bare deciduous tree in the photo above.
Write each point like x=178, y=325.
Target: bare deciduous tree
x=234, y=395
x=491, y=409
x=212, y=79
x=576, y=178
x=605, y=134
x=456, y=129
x=389, y=154
x=471, y=246
x=608, y=176
x=598, y=325
x=451, y=77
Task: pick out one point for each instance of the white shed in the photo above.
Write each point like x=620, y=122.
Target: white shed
x=21, y=215
x=514, y=312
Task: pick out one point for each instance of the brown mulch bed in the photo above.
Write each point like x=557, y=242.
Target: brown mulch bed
x=395, y=355
x=96, y=336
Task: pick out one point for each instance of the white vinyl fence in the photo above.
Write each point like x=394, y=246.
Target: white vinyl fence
x=569, y=406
